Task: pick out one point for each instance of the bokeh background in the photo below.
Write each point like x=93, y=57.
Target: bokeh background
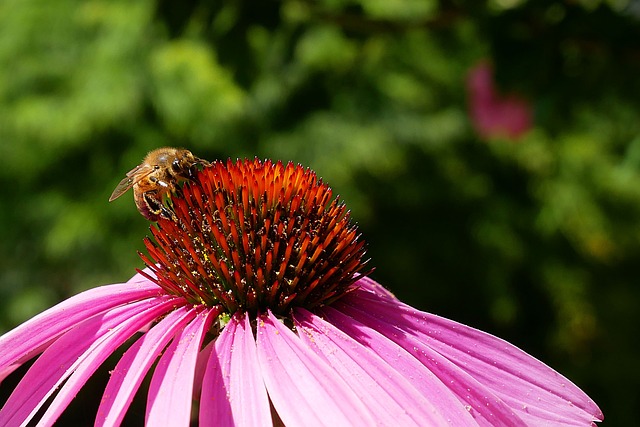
x=489, y=150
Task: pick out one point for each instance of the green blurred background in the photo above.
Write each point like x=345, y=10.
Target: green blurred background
x=536, y=240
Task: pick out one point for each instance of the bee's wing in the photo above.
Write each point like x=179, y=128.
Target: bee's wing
x=133, y=176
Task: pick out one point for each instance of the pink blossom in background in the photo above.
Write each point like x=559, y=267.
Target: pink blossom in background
x=495, y=115
x=256, y=311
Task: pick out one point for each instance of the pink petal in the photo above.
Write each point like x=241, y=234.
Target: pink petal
x=491, y=411
x=493, y=114
x=61, y=359
x=367, y=284
x=534, y=391
x=233, y=391
x=382, y=383
x=171, y=389
x=141, y=278
x=201, y=366
x=7, y=370
x=304, y=389
x=134, y=364
x=97, y=353
x=33, y=336
x=480, y=82
x=487, y=408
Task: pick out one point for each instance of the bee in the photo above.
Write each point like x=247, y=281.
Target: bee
x=158, y=175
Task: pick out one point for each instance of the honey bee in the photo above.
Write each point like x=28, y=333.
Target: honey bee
x=158, y=175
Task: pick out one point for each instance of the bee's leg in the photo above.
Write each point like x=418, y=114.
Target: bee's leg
x=168, y=210
x=168, y=213
x=177, y=190
x=157, y=208
x=203, y=162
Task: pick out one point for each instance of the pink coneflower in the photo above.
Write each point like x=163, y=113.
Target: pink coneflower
x=495, y=115
x=256, y=306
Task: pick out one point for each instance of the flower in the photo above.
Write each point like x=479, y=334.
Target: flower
x=256, y=305
x=494, y=115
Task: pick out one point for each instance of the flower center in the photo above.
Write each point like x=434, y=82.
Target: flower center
x=253, y=235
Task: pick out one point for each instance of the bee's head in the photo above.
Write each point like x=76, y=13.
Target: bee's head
x=186, y=164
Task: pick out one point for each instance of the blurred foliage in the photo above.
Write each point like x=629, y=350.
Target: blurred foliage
x=536, y=240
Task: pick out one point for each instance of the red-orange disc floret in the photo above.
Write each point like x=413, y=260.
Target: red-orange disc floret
x=252, y=235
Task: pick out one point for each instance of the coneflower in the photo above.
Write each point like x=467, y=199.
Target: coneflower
x=256, y=305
